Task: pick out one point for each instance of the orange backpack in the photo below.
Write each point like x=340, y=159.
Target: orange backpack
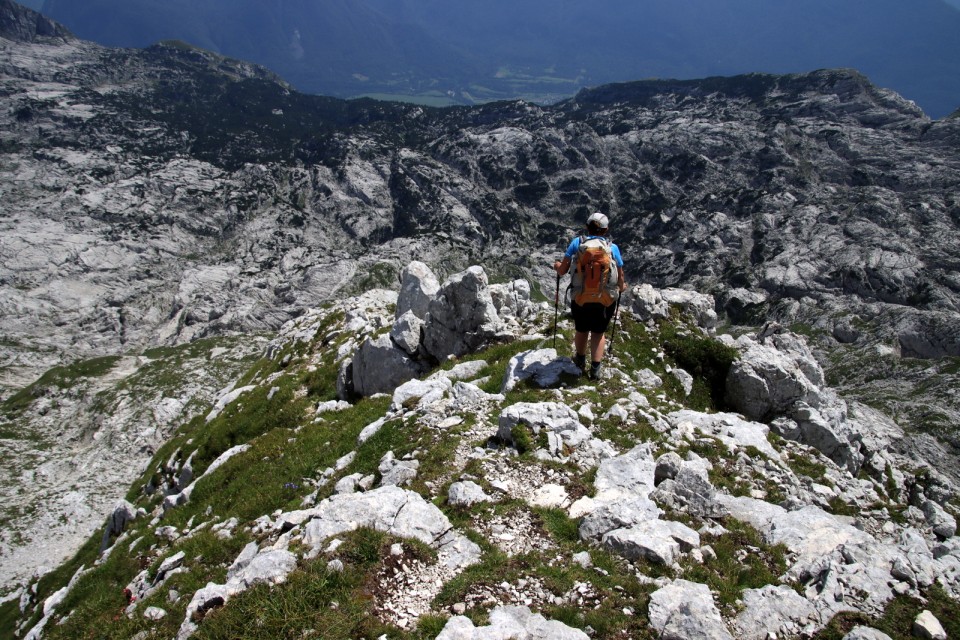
x=595, y=278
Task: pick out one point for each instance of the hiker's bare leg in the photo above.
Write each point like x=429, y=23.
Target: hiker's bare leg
x=597, y=343
x=580, y=342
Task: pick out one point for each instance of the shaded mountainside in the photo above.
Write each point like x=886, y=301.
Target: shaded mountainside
x=465, y=53
x=20, y=24
x=172, y=197
x=503, y=495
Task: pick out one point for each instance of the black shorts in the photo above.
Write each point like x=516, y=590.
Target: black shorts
x=592, y=317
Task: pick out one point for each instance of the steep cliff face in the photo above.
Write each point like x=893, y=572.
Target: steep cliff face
x=20, y=24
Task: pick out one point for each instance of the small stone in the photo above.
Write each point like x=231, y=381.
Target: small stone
x=927, y=626
x=583, y=559
x=154, y=613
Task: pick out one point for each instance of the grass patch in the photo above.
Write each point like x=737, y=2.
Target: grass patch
x=59, y=377
x=706, y=359
x=9, y=615
x=804, y=465
x=561, y=527
x=315, y=602
x=280, y=459
x=897, y=619
x=743, y=561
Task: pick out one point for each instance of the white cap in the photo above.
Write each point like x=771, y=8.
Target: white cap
x=599, y=219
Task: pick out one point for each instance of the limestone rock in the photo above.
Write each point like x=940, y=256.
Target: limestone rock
x=462, y=316
x=866, y=633
x=659, y=541
x=773, y=609
x=697, y=305
x=777, y=376
x=623, y=484
x=689, y=491
x=397, y=472
x=418, y=286
x=406, y=332
x=513, y=299
x=392, y=510
x=685, y=380
x=648, y=303
x=927, y=626
x=554, y=417
x=654, y=304
x=684, y=610
x=467, y=493
x=943, y=524
x=379, y=366
x=767, y=381
x=542, y=367
x=517, y=623
x=416, y=393
x=123, y=513
x=668, y=466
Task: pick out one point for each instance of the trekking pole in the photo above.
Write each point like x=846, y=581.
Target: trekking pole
x=556, y=311
x=616, y=314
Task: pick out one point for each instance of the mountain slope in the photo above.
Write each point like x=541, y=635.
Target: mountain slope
x=331, y=44
x=164, y=195
x=545, y=50
x=606, y=508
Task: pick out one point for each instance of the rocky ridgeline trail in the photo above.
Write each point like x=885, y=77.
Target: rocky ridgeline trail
x=371, y=479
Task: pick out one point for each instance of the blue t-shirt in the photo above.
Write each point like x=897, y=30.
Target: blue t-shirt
x=575, y=246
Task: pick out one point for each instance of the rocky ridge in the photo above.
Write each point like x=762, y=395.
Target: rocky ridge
x=490, y=498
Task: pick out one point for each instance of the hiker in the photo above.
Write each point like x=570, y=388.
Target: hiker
x=595, y=287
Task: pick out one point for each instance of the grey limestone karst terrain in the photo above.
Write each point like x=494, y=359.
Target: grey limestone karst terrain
x=500, y=495
x=170, y=198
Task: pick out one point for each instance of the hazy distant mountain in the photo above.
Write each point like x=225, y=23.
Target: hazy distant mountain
x=545, y=49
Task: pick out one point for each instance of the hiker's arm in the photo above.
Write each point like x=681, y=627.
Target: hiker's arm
x=562, y=266
x=621, y=280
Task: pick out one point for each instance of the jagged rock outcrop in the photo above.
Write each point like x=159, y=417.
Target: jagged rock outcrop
x=462, y=316
x=20, y=24
x=434, y=323
x=778, y=380
x=380, y=366
x=418, y=286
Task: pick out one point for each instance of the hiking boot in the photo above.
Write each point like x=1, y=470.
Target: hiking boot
x=595, y=369
x=581, y=362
